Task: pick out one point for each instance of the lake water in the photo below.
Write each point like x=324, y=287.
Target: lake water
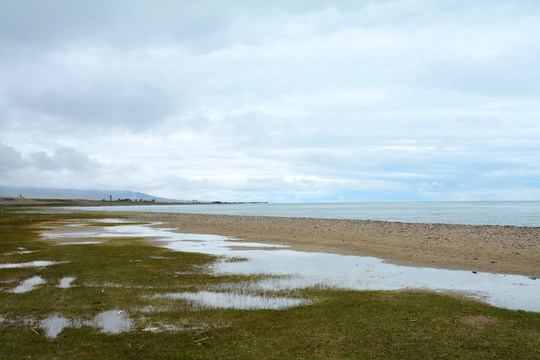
x=516, y=213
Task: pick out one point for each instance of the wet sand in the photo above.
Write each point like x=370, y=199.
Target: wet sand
x=496, y=249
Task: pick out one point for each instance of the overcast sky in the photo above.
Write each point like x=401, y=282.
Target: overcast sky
x=293, y=100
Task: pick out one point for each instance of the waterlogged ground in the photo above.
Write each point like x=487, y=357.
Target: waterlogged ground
x=108, y=322
x=72, y=237
x=73, y=287
x=295, y=270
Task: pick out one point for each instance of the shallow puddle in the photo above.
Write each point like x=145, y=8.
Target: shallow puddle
x=28, y=285
x=54, y=325
x=113, y=322
x=65, y=282
x=307, y=269
x=19, y=252
x=300, y=270
x=222, y=300
x=111, y=221
x=81, y=242
x=84, y=231
x=28, y=264
x=109, y=322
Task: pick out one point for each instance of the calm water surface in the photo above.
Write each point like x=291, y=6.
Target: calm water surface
x=296, y=269
x=516, y=213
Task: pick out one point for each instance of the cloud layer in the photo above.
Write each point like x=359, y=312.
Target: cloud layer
x=280, y=101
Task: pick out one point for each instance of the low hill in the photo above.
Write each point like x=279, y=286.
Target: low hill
x=84, y=194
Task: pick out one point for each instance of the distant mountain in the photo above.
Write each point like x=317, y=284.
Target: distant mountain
x=50, y=193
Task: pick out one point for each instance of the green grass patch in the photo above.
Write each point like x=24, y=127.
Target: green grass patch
x=125, y=273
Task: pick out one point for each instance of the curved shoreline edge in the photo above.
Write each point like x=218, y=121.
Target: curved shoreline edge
x=481, y=248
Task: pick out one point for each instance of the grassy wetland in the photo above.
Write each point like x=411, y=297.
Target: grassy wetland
x=121, y=278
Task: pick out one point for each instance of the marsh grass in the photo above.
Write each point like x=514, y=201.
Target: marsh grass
x=124, y=274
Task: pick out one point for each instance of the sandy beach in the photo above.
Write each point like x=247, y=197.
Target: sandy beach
x=496, y=249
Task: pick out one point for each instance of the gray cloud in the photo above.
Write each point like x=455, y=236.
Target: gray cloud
x=10, y=159
x=287, y=99
x=64, y=158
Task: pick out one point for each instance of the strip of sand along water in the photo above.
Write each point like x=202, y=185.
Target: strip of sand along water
x=496, y=249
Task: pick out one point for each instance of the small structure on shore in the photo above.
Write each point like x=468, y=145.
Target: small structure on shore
x=20, y=197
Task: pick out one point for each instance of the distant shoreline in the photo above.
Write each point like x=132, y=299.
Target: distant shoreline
x=523, y=214
x=117, y=202
x=489, y=248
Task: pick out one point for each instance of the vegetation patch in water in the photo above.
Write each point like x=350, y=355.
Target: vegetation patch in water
x=120, y=277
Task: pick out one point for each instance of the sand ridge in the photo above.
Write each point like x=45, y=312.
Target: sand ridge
x=487, y=248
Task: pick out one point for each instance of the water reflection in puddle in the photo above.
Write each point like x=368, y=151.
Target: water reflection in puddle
x=28, y=285
x=81, y=242
x=28, y=264
x=302, y=269
x=78, y=231
x=306, y=269
x=109, y=322
x=54, y=325
x=111, y=221
x=221, y=300
x=351, y=272
x=113, y=322
x=19, y=252
x=66, y=282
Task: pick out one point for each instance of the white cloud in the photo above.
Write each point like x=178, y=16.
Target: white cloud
x=310, y=100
